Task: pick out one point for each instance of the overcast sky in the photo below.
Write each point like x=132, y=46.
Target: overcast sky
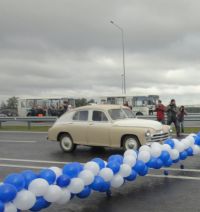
x=52, y=48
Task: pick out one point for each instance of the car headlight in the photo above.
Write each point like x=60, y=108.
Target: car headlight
x=170, y=130
x=148, y=134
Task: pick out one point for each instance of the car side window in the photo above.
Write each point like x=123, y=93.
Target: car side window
x=81, y=116
x=99, y=116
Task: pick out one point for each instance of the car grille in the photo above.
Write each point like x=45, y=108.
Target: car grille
x=159, y=137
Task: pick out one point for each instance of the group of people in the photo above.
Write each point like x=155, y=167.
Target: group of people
x=50, y=111
x=174, y=115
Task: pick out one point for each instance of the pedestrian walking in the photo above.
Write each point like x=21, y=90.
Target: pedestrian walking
x=180, y=116
x=172, y=112
x=160, y=112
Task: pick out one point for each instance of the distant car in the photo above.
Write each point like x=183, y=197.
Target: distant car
x=105, y=125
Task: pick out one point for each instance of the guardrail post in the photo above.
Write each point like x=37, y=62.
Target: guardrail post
x=29, y=125
x=0, y=124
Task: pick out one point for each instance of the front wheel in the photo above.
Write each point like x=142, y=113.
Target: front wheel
x=66, y=143
x=131, y=142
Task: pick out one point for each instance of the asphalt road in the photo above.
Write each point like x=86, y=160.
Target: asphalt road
x=179, y=191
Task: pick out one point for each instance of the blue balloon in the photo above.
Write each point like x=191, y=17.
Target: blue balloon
x=183, y=155
x=189, y=151
x=48, y=175
x=170, y=142
x=85, y=193
x=40, y=204
x=114, y=165
x=168, y=163
x=2, y=207
x=118, y=158
x=197, y=140
x=164, y=156
x=97, y=183
x=152, y=162
x=16, y=180
x=63, y=180
x=139, y=166
x=144, y=171
x=100, y=162
x=132, y=176
x=29, y=176
x=105, y=187
x=7, y=192
x=198, y=134
x=158, y=164
x=176, y=161
x=72, y=169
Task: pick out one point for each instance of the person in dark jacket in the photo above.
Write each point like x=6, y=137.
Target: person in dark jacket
x=160, y=112
x=172, y=111
x=180, y=116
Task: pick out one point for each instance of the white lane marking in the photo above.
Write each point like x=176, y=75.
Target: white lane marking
x=32, y=161
x=148, y=175
x=183, y=170
x=15, y=141
x=21, y=166
x=173, y=177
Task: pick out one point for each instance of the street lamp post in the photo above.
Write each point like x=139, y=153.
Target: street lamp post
x=123, y=54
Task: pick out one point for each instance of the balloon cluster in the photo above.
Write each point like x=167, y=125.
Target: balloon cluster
x=35, y=191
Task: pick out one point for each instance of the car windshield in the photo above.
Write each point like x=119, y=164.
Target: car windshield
x=120, y=113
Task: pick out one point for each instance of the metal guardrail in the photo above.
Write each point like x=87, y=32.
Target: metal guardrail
x=50, y=119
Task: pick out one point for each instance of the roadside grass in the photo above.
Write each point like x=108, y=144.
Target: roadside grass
x=45, y=129
x=189, y=130
x=25, y=128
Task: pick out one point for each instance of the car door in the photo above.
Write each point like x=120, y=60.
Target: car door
x=98, y=132
x=78, y=126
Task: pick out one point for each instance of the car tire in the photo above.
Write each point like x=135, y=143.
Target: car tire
x=131, y=142
x=66, y=143
x=139, y=114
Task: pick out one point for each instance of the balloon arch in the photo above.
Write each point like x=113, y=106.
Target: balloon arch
x=35, y=191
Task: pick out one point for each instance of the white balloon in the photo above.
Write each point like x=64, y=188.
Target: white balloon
x=76, y=185
x=145, y=148
x=57, y=171
x=174, y=154
x=196, y=149
x=117, y=181
x=166, y=147
x=156, y=151
x=24, y=200
x=129, y=160
x=87, y=176
x=125, y=170
x=130, y=152
x=191, y=139
x=38, y=186
x=144, y=156
x=155, y=145
x=93, y=167
x=179, y=146
x=53, y=194
x=65, y=197
x=187, y=143
x=106, y=174
x=10, y=207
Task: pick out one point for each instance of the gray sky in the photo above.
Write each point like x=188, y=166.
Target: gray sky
x=69, y=48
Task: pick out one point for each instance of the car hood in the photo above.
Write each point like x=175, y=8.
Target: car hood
x=138, y=123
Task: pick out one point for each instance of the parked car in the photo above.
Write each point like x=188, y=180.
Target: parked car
x=105, y=125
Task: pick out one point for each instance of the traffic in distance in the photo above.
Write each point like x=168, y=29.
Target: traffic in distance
x=140, y=105
x=105, y=125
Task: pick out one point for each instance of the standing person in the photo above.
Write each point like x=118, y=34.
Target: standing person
x=160, y=112
x=180, y=116
x=172, y=111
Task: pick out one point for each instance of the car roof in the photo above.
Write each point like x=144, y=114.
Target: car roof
x=100, y=107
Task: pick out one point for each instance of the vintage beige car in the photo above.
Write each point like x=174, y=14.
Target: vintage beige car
x=107, y=126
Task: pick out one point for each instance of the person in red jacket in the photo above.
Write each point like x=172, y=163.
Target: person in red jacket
x=160, y=112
